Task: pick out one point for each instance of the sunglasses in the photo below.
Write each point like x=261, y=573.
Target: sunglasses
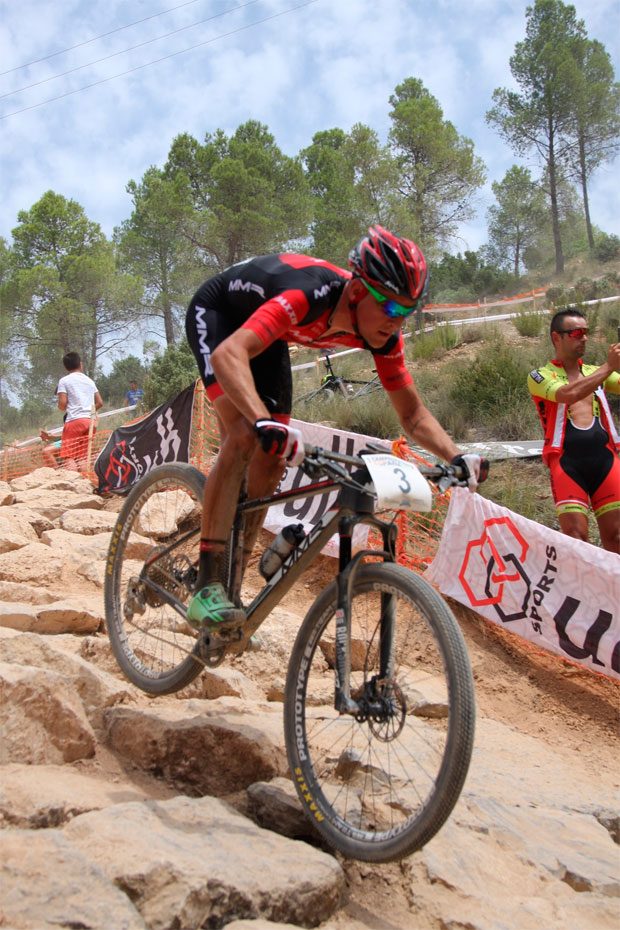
x=578, y=333
x=390, y=307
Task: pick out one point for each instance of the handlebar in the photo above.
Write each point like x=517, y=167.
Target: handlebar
x=444, y=476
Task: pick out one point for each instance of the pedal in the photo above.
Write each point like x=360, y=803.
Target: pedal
x=209, y=652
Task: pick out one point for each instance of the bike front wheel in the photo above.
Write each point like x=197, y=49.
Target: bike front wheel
x=380, y=784
x=150, y=574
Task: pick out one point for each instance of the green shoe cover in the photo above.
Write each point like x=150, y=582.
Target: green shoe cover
x=210, y=609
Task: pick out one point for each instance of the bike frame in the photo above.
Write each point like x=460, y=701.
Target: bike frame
x=337, y=519
x=344, y=520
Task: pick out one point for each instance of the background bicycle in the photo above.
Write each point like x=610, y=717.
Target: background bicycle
x=333, y=385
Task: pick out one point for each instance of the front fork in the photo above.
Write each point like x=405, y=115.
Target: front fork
x=348, y=564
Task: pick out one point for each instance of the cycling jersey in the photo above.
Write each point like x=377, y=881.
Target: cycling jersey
x=282, y=298
x=582, y=462
x=544, y=383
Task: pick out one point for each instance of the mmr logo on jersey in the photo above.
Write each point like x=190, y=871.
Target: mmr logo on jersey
x=247, y=286
x=324, y=291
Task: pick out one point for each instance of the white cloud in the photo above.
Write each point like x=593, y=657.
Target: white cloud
x=333, y=63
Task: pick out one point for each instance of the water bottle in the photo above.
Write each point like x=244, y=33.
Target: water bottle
x=287, y=539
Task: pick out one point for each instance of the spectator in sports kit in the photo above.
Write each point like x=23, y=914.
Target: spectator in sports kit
x=134, y=395
x=581, y=442
x=76, y=394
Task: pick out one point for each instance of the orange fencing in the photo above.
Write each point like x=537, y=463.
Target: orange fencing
x=418, y=533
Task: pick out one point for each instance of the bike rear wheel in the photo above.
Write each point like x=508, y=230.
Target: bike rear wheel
x=155, y=542
x=379, y=787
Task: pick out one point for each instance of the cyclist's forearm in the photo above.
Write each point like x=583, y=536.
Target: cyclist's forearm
x=426, y=431
x=577, y=390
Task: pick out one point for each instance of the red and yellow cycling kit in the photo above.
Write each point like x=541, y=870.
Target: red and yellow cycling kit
x=583, y=463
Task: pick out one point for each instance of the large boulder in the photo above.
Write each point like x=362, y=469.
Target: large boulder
x=36, y=563
x=6, y=494
x=87, y=522
x=53, y=503
x=48, y=883
x=37, y=796
x=55, y=617
x=194, y=863
x=202, y=747
x=52, y=479
x=42, y=718
x=15, y=532
x=96, y=689
x=23, y=512
x=26, y=593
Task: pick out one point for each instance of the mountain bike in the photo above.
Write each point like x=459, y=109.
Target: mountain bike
x=379, y=704
x=334, y=385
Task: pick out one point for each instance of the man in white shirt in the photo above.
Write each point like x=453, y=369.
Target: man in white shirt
x=77, y=393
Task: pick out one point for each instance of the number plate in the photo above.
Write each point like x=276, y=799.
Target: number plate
x=399, y=484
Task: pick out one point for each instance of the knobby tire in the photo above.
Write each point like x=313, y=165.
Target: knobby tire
x=378, y=790
x=153, y=644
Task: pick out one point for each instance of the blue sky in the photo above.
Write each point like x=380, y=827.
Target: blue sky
x=327, y=63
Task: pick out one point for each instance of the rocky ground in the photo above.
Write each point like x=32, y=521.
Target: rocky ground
x=121, y=811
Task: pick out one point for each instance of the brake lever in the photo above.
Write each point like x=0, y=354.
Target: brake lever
x=453, y=476
x=374, y=447
x=314, y=465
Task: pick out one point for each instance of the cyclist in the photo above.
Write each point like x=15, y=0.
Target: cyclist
x=239, y=324
x=581, y=443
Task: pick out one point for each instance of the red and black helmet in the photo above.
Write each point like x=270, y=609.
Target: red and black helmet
x=383, y=259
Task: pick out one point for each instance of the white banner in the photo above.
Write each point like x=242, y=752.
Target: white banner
x=309, y=510
x=557, y=592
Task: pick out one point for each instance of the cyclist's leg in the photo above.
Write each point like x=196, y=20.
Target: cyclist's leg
x=264, y=476
x=274, y=383
x=571, y=499
x=206, y=327
x=606, y=506
x=609, y=528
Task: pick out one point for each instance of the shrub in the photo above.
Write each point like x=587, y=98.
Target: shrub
x=556, y=296
x=435, y=343
x=473, y=332
x=493, y=389
x=528, y=323
x=522, y=486
x=372, y=415
x=585, y=289
x=606, y=248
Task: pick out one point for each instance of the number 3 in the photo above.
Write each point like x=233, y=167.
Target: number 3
x=405, y=487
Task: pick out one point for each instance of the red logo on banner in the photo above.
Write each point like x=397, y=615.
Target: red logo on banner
x=492, y=561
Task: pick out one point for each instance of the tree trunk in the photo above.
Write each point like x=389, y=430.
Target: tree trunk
x=557, y=240
x=517, y=255
x=584, y=189
x=168, y=322
x=91, y=351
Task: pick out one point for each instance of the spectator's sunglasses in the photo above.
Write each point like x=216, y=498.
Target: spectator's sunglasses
x=390, y=307
x=577, y=333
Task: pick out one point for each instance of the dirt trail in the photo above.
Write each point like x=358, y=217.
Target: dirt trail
x=572, y=710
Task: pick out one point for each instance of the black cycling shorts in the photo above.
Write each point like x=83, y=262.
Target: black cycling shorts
x=208, y=322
